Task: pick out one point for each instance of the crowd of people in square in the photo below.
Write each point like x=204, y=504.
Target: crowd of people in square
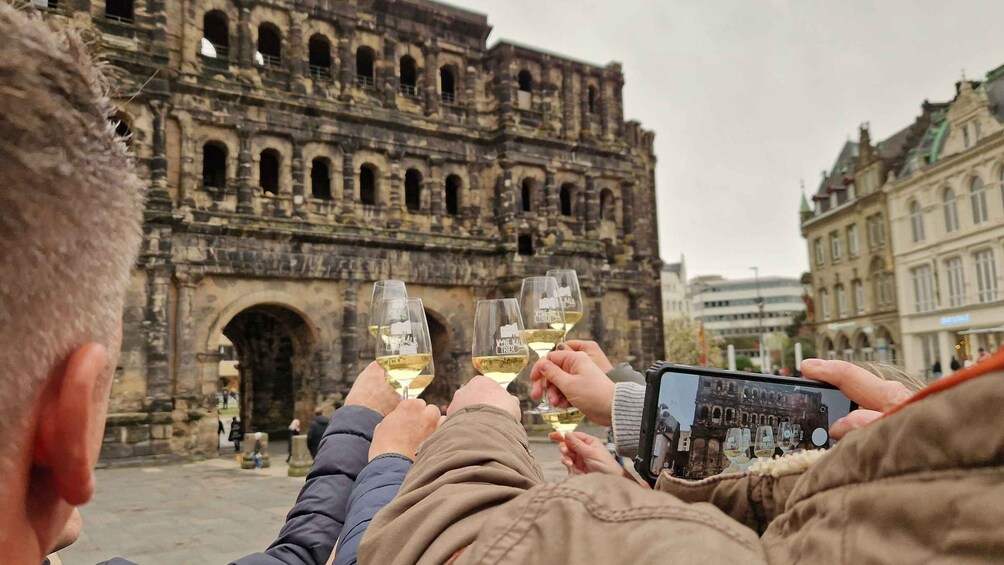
x=918, y=476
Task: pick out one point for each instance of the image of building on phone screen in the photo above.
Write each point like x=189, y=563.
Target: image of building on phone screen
x=708, y=425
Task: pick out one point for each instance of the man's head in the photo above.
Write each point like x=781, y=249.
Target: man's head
x=318, y=411
x=70, y=227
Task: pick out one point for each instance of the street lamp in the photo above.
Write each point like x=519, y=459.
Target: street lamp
x=759, y=305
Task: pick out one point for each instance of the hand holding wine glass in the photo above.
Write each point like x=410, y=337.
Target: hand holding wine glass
x=498, y=350
x=407, y=348
x=543, y=321
x=570, y=295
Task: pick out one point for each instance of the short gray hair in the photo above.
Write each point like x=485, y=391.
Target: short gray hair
x=71, y=208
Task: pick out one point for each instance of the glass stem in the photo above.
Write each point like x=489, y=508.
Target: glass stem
x=545, y=404
x=404, y=390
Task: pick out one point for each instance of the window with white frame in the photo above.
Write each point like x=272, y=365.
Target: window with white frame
x=923, y=288
x=978, y=198
x=835, y=246
x=852, y=240
x=916, y=222
x=859, y=297
x=956, y=281
x=986, y=275
x=965, y=135
x=841, y=301
x=817, y=247
x=824, y=299
x=951, y=210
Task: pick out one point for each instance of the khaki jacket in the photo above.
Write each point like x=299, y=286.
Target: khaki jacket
x=923, y=485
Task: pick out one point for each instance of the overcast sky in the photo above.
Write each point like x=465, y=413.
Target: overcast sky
x=748, y=97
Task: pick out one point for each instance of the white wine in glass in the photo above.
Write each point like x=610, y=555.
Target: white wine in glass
x=407, y=349
x=732, y=448
x=785, y=436
x=419, y=383
x=382, y=290
x=763, y=446
x=498, y=350
x=543, y=321
x=563, y=420
x=570, y=295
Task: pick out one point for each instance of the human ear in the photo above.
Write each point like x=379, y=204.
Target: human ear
x=63, y=440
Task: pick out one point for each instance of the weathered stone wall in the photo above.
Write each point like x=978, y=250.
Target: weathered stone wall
x=216, y=249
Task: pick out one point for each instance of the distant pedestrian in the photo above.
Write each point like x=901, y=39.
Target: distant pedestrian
x=226, y=399
x=955, y=364
x=294, y=430
x=936, y=369
x=316, y=431
x=236, y=432
x=982, y=355
x=257, y=450
x=220, y=431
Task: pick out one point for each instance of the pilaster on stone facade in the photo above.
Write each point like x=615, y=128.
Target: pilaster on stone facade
x=472, y=199
x=245, y=173
x=386, y=71
x=627, y=199
x=349, y=333
x=158, y=375
x=505, y=194
x=295, y=58
x=245, y=40
x=299, y=191
x=431, y=53
x=592, y=208
x=159, y=198
x=602, y=102
x=504, y=89
x=347, y=59
x=547, y=92
x=585, y=115
x=348, y=183
x=434, y=187
x=186, y=371
x=551, y=197
x=568, y=103
x=616, y=108
x=395, y=216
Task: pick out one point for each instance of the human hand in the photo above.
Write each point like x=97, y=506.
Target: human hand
x=71, y=532
x=590, y=348
x=582, y=453
x=372, y=391
x=574, y=379
x=874, y=396
x=405, y=429
x=482, y=390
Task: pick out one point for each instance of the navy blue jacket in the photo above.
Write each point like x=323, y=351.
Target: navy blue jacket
x=375, y=487
x=316, y=520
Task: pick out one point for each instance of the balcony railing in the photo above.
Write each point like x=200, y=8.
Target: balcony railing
x=320, y=72
x=118, y=18
x=409, y=90
x=365, y=81
x=270, y=61
x=449, y=97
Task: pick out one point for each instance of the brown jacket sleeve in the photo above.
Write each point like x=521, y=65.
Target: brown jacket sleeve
x=478, y=459
x=753, y=498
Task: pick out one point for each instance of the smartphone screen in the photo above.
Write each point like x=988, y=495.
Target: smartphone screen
x=708, y=425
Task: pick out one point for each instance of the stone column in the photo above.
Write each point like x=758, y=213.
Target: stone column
x=296, y=60
x=395, y=215
x=551, y=203
x=350, y=331
x=567, y=102
x=245, y=40
x=155, y=322
x=348, y=181
x=245, y=173
x=185, y=366
x=434, y=187
x=585, y=116
x=627, y=209
x=946, y=351
x=634, y=317
x=592, y=215
x=299, y=173
x=504, y=88
x=604, y=109
x=347, y=59
x=432, y=78
x=505, y=196
x=597, y=321
x=159, y=196
x=472, y=198
x=547, y=91
x=617, y=104
x=386, y=73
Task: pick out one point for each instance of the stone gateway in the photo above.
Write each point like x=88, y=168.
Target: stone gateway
x=298, y=151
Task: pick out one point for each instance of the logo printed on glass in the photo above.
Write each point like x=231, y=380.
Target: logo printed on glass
x=400, y=328
x=565, y=294
x=509, y=343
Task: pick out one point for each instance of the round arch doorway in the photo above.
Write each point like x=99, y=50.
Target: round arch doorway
x=274, y=347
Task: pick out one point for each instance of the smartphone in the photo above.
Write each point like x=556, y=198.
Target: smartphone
x=699, y=422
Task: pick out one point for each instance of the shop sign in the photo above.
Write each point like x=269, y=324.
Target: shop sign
x=955, y=320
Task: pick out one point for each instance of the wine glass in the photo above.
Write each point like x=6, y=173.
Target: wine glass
x=420, y=383
x=543, y=321
x=785, y=436
x=498, y=349
x=764, y=446
x=382, y=290
x=404, y=348
x=570, y=295
x=744, y=457
x=732, y=448
x=796, y=435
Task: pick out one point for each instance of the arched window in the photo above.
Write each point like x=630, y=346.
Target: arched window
x=525, y=80
x=704, y=412
x=368, y=184
x=729, y=415
x=268, y=171
x=364, y=67
x=567, y=198
x=524, y=244
x=214, y=165
x=408, y=71
x=453, y=184
x=763, y=420
x=215, y=35
x=732, y=388
x=978, y=198
x=746, y=393
x=951, y=210
x=770, y=421
x=916, y=221
x=755, y=394
x=607, y=210
x=269, y=46
x=716, y=414
x=413, y=190
x=745, y=419
x=526, y=195
x=119, y=10
x=319, y=56
x=448, y=84
x=592, y=95
x=320, y=179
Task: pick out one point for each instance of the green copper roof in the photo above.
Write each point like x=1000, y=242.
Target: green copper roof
x=804, y=206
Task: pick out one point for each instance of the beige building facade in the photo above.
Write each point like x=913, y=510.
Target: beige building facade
x=853, y=308
x=947, y=224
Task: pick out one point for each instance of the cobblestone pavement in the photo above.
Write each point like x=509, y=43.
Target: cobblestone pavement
x=209, y=512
